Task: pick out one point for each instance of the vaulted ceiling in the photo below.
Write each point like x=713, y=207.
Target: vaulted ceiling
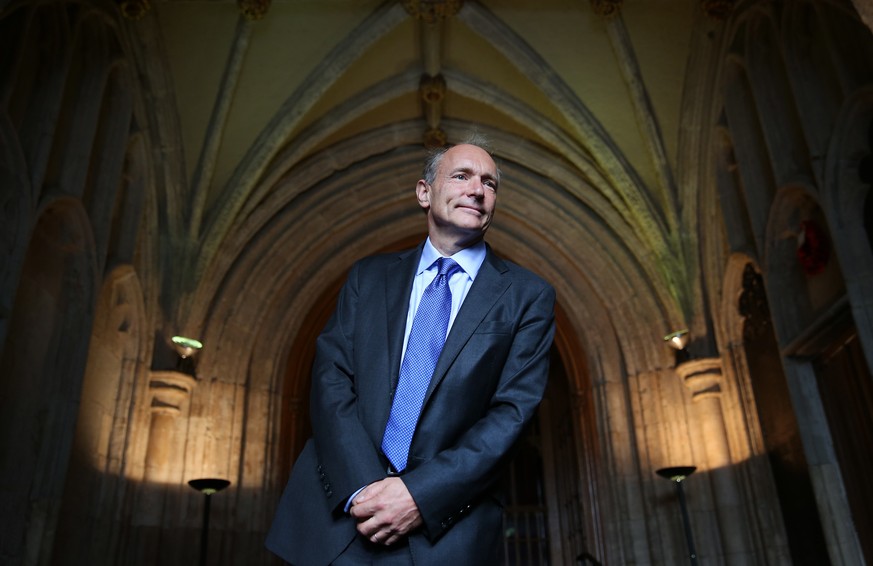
x=547, y=56
x=335, y=100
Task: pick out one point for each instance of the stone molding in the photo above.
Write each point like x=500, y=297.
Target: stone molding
x=253, y=9
x=606, y=8
x=702, y=376
x=169, y=390
x=432, y=11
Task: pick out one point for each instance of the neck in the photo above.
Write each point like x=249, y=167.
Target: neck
x=449, y=247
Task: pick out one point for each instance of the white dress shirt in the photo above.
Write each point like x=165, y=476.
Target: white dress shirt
x=470, y=259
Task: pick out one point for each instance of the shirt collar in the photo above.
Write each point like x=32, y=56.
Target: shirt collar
x=470, y=259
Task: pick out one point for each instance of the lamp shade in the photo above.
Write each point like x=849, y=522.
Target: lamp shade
x=677, y=340
x=676, y=473
x=208, y=486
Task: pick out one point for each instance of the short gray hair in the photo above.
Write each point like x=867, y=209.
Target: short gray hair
x=435, y=158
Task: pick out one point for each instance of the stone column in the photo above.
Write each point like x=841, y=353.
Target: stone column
x=168, y=396
x=704, y=378
x=169, y=392
x=432, y=88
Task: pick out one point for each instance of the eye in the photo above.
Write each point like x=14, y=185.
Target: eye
x=460, y=176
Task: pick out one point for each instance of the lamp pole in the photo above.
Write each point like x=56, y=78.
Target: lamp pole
x=677, y=475
x=207, y=486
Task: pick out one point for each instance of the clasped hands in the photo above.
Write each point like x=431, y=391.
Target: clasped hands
x=385, y=511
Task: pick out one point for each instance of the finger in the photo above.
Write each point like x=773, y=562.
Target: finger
x=368, y=494
x=363, y=510
x=369, y=527
x=361, y=497
x=358, y=513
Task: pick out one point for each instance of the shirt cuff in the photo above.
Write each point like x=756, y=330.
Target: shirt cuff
x=352, y=498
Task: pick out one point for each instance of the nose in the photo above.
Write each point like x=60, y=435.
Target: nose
x=477, y=187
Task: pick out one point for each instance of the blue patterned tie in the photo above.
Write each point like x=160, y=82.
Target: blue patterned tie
x=422, y=351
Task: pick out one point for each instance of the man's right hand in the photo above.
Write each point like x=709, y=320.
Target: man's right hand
x=385, y=511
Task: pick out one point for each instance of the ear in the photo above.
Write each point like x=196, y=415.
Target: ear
x=422, y=193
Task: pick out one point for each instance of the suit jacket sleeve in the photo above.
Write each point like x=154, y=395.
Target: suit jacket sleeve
x=514, y=342
x=348, y=458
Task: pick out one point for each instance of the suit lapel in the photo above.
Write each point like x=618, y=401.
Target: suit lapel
x=398, y=286
x=489, y=286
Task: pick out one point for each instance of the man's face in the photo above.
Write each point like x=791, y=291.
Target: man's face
x=462, y=198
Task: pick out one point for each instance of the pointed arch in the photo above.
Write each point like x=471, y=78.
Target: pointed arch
x=41, y=372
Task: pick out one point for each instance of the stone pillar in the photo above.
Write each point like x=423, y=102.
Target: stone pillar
x=704, y=379
x=169, y=392
x=146, y=542
x=432, y=14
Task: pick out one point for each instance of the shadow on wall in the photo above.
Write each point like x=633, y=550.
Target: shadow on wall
x=148, y=524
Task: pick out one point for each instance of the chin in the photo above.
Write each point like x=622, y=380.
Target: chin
x=471, y=229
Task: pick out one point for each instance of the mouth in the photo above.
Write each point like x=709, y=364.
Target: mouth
x=472, y=209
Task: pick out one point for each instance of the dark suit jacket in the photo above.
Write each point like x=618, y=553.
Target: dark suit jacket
x=486, y=386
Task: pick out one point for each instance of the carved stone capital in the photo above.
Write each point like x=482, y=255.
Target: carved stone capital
x=253, y=9
x=435, y=138
x=133, y=9
x=432, y=89
x=432, y=11
x=169, y=390
x=606, y=8
x=702, y=376
x=717, y=9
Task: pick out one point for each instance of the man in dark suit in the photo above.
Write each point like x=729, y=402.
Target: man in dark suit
x=354, y=497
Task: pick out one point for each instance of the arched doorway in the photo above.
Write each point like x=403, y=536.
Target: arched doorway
x=549, y=516
x=41, y=372
x=546, y=514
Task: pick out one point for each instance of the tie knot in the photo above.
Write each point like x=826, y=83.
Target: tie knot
x=447, y=266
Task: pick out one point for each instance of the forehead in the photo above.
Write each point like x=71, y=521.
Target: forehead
x=469, y=157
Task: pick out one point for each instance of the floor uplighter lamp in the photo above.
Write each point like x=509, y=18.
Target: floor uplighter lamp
x=677, y=475
x=207, y=486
